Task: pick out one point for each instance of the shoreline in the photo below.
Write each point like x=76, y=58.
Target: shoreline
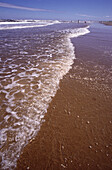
x=71, y=136
x=109, y=23
x=76, y=132
x=37, y=83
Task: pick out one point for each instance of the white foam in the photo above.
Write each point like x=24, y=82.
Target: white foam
x=29, y=22
x=21, y=25
x=26, y=114
x=12, y=23
x=72, y=33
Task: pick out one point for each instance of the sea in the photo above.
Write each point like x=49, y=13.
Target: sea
x=34, y=57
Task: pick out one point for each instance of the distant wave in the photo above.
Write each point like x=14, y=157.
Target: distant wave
x=26, y=24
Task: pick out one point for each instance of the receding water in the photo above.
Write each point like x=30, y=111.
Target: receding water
x=32, y=62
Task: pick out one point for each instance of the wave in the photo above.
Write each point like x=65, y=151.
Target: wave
x=27, y=24
x=72, y=33
x=44, y=77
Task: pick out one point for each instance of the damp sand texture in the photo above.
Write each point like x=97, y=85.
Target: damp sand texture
x=77, y=132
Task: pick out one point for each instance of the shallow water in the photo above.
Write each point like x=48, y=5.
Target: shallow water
x=77, y=133
x=32, y=62
x=95, y=64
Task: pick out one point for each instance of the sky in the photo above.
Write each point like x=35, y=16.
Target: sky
x=56, y=9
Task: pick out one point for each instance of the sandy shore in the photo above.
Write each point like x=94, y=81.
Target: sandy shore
x=107, y=23
x=77, y=132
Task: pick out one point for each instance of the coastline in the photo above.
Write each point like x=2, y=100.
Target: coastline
x=73, y=133
x=109, y=23
x=77, y=128
x=37, y=82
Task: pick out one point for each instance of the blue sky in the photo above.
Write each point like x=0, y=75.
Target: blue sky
x=56, y=9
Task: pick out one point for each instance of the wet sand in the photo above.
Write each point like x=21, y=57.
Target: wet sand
x=77, y=132
x=107, y=23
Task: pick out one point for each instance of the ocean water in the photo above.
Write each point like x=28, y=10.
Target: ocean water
x=34, y=57
x=26, y=24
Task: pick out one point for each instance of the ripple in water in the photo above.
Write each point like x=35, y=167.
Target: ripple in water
x=31, y=66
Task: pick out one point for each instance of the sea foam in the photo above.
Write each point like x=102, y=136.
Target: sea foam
x=29, y=89
x=27, y=24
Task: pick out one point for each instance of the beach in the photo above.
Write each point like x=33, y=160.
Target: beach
x=55, y=85
x=76, y=132
x=109, y=23
x=56, y=93
x=34, y=57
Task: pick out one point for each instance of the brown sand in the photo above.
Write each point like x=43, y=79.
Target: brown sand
x=107, y=23
x=77, y=132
